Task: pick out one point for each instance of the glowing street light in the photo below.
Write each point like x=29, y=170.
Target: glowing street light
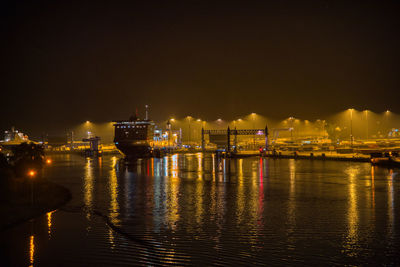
x=32, y=173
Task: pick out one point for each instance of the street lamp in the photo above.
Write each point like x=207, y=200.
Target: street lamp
x=351, y=127
x=200, y=123
x=253, y=116
x=291, y=119
x=387, y=113
x=366, y=119
x=169, y=135
x=189, y=118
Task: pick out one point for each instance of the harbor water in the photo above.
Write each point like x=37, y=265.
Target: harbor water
x=195, y=209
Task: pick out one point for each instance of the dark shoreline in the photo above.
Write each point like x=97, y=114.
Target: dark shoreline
x=48, y=196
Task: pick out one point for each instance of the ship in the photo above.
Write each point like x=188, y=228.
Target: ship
x=391, y=159
x=134, y=137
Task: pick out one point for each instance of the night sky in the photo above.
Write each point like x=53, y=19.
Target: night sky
x=65, y=62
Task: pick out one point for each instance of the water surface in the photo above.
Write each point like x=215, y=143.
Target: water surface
x=194, y=209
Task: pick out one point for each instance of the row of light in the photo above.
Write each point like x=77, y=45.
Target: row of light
x=352, y=109
x=252, y=114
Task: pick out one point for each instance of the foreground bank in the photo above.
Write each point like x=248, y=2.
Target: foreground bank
x=24, y=201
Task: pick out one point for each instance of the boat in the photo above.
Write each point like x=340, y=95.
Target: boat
x=388, y=159
x=134, y=137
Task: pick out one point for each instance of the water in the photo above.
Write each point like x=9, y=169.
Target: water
x=196, y=210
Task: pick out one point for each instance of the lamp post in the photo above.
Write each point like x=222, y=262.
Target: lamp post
x=200, y=126
x=387, y=113
x=351, y=127
x=189, y=118
x=88, y=132
x=253, y=116
x=169, y=134
x=291, y=119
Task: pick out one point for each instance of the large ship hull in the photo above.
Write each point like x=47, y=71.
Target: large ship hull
x=130, y=150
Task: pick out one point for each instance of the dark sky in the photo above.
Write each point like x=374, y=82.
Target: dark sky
x=64, y=62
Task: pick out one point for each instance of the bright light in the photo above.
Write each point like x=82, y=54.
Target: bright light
x=239, y=120
x=48, y=161
x=198, y=120
x=219, y=120
x=87, y=121
x=172, y=119
x=253, y=114
x=32, y=173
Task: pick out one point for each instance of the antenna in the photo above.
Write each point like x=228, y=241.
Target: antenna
x=147, y=112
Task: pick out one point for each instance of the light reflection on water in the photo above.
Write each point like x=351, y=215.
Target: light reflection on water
x=352, y=213
x=88, y=187
x=31, y=250
x=204, y=210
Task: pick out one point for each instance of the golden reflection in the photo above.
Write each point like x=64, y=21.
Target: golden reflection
x=199, y=190
x=292, y=201
x=88, y=187
x=220, y=193
x=252, y=204
x=240, y=171
x=240, y=198
x=100, y=161
x=49, y=215
x=114, y=206
x=292, y=171
x=200, y=166
x=352, y=212
x=31, y=250
x=213, y=167
x=222, y=170
x=254, y=172
x=172, y=193
x=199, y=201
x=390, y=202
x=373, y=186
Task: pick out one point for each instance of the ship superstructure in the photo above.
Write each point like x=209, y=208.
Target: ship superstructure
x=134, y=137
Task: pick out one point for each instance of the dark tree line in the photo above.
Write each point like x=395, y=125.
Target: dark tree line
x=23, y=158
